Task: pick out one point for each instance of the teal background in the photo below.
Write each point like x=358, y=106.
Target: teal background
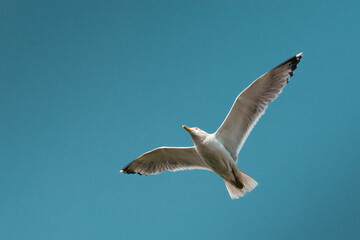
x=87, y=86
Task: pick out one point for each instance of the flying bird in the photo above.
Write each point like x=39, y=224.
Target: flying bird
x=218, y=152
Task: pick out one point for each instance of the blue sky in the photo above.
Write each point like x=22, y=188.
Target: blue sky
x=87, y=86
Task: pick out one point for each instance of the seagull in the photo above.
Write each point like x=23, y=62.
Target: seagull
x=218, y=152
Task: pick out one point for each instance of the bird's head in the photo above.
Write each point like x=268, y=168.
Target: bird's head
x=196, y=133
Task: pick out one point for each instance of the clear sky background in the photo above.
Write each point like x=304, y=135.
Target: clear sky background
x=87, y=86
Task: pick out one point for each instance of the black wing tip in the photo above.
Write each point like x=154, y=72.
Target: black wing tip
x=292, y=63
x=126, y=170
x=295, y=60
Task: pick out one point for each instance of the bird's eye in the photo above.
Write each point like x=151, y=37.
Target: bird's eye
x=197, y=128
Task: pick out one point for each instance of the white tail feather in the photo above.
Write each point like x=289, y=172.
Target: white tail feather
x=246, y=180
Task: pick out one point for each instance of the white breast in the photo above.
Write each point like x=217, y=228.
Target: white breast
x=215, y=155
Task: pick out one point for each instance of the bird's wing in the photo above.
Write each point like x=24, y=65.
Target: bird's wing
x=251, y=103
x=166, y=158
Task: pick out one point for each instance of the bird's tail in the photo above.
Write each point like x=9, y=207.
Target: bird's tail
x=242, y=185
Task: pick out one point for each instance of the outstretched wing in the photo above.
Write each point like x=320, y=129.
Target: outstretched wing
x=250, y=105
x=166, y=158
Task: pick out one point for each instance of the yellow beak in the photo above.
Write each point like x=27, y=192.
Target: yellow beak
x=186, y=128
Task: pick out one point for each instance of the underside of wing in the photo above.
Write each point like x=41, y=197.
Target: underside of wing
x=251, y=104
x=166, y=158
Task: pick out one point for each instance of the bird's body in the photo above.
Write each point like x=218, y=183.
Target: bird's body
x=218, y=152
x=219, y=160
x=215, y=156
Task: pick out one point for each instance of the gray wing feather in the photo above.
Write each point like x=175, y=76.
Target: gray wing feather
x=251, y=104
x=166, y=158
